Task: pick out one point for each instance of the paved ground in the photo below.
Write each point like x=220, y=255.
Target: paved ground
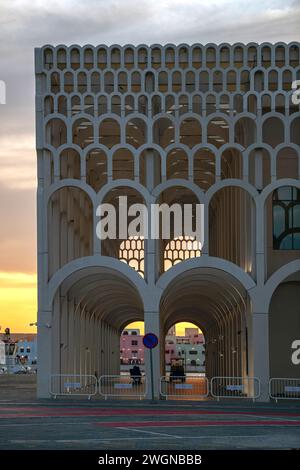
x=142, y=425
x=26, y=423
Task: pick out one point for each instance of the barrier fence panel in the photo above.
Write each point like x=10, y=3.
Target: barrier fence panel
x=123, y=386
x=192, y=386
x=284, y=389
x=73, y=385
x=235, y=387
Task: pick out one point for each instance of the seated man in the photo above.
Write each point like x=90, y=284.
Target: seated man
x=136, y=375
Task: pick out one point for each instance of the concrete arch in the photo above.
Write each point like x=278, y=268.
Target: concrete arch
x=206, y=262
x=139, y=188
x=179, y=182
x=231, y=183
x=67, y=183
x=278, y=277
x=75, y=270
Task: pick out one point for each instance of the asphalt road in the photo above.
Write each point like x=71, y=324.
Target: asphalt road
x=143, y=425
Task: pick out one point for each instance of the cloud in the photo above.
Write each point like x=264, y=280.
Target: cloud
x=18, y=229
x=18, y=161
x=16, y=280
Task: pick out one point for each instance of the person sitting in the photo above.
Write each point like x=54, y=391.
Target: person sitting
x=136, y=375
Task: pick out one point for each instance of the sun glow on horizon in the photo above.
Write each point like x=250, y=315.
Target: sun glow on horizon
x=180, y=327
x=18, y=301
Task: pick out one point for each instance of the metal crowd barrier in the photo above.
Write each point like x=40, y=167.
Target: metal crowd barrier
x=73, y=385
x=235, y=387
x=284, y=389
x=184, y=386
x=123, y=386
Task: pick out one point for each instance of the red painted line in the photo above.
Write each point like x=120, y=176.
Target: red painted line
x=79, y=412
x=142, y=424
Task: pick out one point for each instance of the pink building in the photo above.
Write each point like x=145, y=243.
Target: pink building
x=194, y=336
x=131, y=347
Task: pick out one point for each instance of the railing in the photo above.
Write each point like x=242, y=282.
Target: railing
x=284, y=389
x=184, y=386
x=235, y=387
x=73, y=385
x=123, y=386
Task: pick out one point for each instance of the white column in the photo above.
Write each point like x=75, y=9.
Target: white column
x=44, y=342
x=258, y=345
x=152, y=325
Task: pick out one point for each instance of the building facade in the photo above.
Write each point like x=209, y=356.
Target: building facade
x=211, y=124
x=189, y=347
x=131, y=348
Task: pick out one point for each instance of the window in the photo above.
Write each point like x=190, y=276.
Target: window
x=286, y=218
x=193, y=352
x=28, y=350
x=21, y=350
x=133, y=332
x=134, y=343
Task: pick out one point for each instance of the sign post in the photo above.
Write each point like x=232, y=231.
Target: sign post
x=150, y=341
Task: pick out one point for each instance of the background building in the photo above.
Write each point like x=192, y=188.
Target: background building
x=190, y=348
x=210, y=124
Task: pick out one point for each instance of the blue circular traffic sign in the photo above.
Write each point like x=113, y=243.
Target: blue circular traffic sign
x=150, y=340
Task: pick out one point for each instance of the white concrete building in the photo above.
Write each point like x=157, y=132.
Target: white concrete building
x=213, y=124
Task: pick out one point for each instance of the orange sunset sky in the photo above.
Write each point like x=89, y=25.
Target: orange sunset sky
x=26, y=24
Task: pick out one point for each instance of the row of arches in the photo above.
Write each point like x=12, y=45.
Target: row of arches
x=174, y=105
x=165, y=131
x=199, y=167
x=230, y=226
x=170, y=56
x=165, y=81
x=91, y=305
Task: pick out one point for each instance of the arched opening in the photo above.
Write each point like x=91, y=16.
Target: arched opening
x=204, y=165
x=48, y=105
x=178, y=228
x=218, y=132
x=70, y=227
x=132, y=252
x=123, y=164
x=232, y=227
x=62, y=105
x=284, y=322
x=136, y=132
x=190, y=132
x=163, y=132
x=124, y=238
x=109, y=133
x=96, y=169
x=90, y=310
x=184, y=351
x=180, y=249
x=282, y=215
x=69, y=164
x=245, y=131
x=273, y=131
x=287, y=163
x=295, y=131
x=177, y=164
x=231, y=164
x=218, y=305
x=83, y=132
x=56, y=132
